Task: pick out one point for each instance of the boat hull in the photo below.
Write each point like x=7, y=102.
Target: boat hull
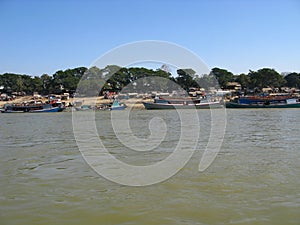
x=151, y=106
x=55, y=109
x=118, y=108
x=44, y=110
x=234, y=105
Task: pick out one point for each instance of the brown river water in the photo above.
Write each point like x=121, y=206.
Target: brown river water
x=255, y=178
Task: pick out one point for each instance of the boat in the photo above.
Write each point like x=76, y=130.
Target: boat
x=84, y=108
x=34, y=107
x=181, y=103
x=280, y=101
x=117, y=106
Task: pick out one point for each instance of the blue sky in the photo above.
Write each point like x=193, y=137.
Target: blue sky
x=39, y=36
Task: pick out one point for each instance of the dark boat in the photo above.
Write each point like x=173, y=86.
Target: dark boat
x=182, y=103
x=276, y=101
x=34, y=107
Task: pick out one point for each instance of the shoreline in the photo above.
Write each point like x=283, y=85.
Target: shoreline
x=133, y=103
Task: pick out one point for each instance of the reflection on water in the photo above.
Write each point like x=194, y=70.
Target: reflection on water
x=254, y=179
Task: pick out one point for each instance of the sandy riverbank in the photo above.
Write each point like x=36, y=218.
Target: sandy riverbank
x=133, y=103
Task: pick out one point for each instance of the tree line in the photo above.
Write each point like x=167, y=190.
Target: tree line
x=115, y=78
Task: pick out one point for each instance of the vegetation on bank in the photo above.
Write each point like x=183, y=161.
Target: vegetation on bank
x=115, y=78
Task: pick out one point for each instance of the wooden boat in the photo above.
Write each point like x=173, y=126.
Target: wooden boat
x=262, y=99
x=182, y=103
x=84, y=108
x=271, y=102
x=117, y=106
x=34, y=107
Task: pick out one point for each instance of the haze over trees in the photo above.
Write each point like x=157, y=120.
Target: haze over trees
x=115, y=78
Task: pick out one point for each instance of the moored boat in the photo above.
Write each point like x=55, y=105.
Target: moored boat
x=264, y=102
x=34, y=107
x=117, y=106
x=182, y=103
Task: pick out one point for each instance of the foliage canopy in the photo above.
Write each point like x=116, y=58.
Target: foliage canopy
x=114, y=78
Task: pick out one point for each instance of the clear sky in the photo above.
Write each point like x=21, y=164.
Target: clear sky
x=40, y=36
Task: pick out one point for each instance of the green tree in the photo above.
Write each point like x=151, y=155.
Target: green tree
x=88, y=87
x=118, y=78
x=92, y=82
x=207, y=81
x=93, y=73
x=46, y=84
x=37, y=84
x=67, y=81
x=11, y=82
x=293, y=80
x=185, y=78
x=223, y=76
x=139, y=79
x=28, y=84
x=19, y=85
x=266, y=78
x=244, y=80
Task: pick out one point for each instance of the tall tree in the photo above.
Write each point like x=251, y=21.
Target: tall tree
x=207, y=81
x=244, y=80
x=293, y=80
x=223, y=76
x=266, y=77
x=11, y=82
x=37, y=84
x=185, y=78
x=28, y=84
x=67, y=81
x=19, y=84
x=46, y=82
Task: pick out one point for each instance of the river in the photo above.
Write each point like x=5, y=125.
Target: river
x=254, y=179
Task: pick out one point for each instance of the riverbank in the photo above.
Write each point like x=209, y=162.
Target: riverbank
x=133, y=103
